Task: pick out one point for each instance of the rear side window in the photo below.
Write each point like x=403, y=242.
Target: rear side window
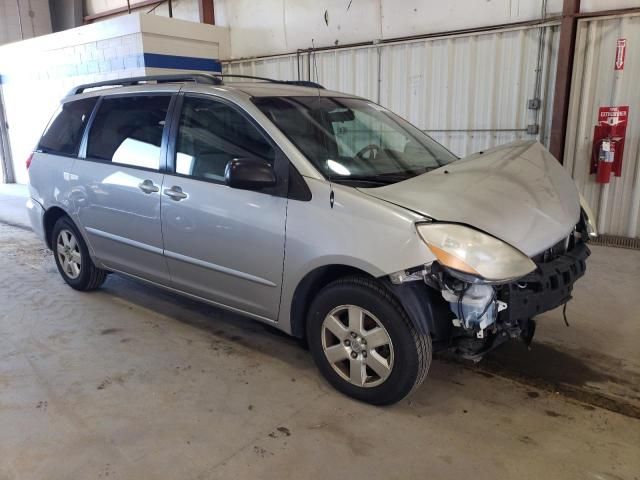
x=211, y=134
x=128, y=130
x=64, y=132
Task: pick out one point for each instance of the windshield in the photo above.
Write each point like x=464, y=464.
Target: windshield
x=353, y=140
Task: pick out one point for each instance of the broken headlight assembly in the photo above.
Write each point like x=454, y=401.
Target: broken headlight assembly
x=473, y=256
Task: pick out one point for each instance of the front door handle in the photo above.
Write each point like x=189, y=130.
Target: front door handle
x=175, y=193
x=148, y=187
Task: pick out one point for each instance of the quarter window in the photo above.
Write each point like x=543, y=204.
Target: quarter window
x=64, y=132
x=128, y=130
x=211, y=134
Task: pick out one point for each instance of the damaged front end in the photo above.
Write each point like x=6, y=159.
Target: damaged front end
x=471, y=308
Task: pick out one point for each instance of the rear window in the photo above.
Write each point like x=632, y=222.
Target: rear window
x=128, y=130
x=64, y=132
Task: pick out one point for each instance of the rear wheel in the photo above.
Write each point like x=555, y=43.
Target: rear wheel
x=363, y=342
x=72, y=257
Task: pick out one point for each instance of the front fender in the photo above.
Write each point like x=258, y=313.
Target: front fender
x=355, y=230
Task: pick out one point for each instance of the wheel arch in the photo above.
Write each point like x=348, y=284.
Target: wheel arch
x=424, y=306
x=308, y=288
x=49, y=219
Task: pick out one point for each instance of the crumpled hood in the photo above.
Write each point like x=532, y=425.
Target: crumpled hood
x=517, y=192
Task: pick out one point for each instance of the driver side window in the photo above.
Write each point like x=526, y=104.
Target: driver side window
x=211, y=134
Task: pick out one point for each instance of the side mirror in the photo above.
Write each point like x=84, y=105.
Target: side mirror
x=249, y=174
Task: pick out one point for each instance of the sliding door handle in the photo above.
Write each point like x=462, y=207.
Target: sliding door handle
x=148, y=187
x=175, y=193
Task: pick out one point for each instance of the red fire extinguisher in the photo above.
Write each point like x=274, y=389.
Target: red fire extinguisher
x=606, y=156
x=607, y=148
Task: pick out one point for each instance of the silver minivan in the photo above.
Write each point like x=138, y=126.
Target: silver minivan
x=320, y=213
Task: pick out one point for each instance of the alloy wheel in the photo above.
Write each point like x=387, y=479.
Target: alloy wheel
x=68, y=251
x=357, y=346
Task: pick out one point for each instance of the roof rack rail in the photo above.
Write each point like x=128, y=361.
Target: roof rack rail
x=300, y=83
x=205, y=78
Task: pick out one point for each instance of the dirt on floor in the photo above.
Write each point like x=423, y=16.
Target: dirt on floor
x=132, y=382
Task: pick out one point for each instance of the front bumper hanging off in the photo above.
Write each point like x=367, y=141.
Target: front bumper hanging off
x=544, y=289
x=548, y=287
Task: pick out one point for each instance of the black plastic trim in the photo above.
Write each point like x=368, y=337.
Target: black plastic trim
x=298, y=188
x=548, y=287
x=126, y=82
x=425, y=306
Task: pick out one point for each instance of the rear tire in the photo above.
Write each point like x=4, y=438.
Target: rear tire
x=364, y=343
x=72, y=257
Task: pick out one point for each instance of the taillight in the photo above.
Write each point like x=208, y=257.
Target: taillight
x=29, y=158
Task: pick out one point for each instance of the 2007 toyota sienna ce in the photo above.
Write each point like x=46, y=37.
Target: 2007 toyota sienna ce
x=318, y=212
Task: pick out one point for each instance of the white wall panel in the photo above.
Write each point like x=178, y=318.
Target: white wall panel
x=470, y=91
x=402, y=18
x=599, y=5
x=22, y=19
x=596, y=84
x=270, y=27
x=182, y=9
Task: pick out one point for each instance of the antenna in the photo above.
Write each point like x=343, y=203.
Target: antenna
x=315, y=65
x=315, y=72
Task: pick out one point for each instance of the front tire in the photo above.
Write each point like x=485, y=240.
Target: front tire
x=364, y=343
x=72, y=257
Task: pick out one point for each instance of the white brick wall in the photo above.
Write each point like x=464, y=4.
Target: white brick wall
x=37, y=73
x=32, y=90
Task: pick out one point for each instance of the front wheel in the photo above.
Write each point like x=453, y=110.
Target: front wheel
x=364, y=343
x=72, y=257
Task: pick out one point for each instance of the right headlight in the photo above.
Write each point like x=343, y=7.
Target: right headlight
x=473, y=252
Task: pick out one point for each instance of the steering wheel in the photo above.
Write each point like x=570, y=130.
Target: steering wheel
x=372, y=149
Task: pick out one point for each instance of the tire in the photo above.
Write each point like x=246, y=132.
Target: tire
x=79, y=270
x=391, y=371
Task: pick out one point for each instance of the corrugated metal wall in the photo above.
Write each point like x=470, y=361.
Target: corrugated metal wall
x=470, y=91
x=596, y=84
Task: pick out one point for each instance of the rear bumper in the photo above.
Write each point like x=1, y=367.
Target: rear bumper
x=36, y=215
x=548, y=287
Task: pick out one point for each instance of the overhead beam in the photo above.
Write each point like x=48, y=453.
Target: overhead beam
x=564, y=68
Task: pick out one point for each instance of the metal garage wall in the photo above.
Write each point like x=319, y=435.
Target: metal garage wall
x=470, y=92
x=595, y=84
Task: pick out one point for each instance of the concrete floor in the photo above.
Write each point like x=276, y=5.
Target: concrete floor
x=131, y=382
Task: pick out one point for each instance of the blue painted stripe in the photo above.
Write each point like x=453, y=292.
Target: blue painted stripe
x=159, y=60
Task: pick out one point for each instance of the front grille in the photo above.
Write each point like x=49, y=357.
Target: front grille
x=549, y=286
x=550, y=254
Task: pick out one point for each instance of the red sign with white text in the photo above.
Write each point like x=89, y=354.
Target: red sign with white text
x=621, y=53
x=611, y=129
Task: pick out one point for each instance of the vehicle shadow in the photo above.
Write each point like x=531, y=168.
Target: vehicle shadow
x=541, y=367
x=222, y=325
x=214, y=321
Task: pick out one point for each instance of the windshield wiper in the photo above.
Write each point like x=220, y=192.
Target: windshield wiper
x=374, y=180
x=380, y=179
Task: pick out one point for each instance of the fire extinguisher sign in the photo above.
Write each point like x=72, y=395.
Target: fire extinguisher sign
x=614, y=116
x=621, y=53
